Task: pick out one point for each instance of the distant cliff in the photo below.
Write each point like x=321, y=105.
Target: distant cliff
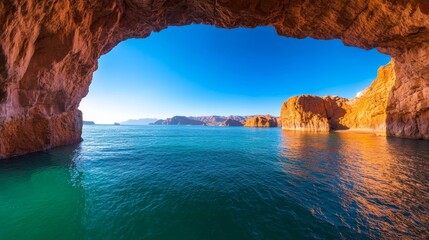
x=141, y=121
x=88, y=123
x=367, y=111
x=215, y=120
x=204, y=120
x=231, y=123
x=210, y=120
x=262, y=121
x=178, y=120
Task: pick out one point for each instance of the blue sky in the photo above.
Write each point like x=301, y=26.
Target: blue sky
x=203, y=70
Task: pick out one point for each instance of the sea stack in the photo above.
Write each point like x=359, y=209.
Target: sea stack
x=261, y=121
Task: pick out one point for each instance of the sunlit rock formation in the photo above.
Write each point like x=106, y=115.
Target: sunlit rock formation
x=261, y=121
x=312, y=113
x=49, y=51
x=368, y=111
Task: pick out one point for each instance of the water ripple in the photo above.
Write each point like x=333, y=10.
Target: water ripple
x=167, y=182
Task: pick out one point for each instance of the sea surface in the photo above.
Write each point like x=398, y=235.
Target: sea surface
x=189, y=182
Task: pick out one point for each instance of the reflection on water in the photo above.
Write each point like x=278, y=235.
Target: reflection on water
x=373, y=185
x=168, y=182
x=41, y=196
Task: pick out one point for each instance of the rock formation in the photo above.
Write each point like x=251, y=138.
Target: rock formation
x=279, y=122
x=204, y=120
x=210, y=120
x=312, y=113
x=367, y=111
x=231, y=123
x=179, y=120
x=261, y=121
x=140, y=121
x=219, y=120
x=49, y=50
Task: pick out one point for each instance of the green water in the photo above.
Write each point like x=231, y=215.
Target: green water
x=177, y=182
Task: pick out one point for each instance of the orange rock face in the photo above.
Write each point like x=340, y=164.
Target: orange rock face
x=49, y=50
x=25, y=135
x=261, y=121
x=367, y=111
x=312, y=113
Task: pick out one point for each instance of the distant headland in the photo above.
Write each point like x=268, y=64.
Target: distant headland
x=88, y=123
x=226, y=121
x=140, y=121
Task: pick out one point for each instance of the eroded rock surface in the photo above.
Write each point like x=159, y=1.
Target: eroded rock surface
x=312, y=113
x=369, y=111
x=366, y=112
x=261, y=121
x=49, y=50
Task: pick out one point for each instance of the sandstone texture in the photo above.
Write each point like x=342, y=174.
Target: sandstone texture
x=366, y=112
x=369, y=111
x=312, y=113
x=261, y=121
x=49, y=51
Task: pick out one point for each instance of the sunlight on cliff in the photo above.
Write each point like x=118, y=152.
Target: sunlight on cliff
x=202, y=70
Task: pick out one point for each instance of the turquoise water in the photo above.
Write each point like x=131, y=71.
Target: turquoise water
x=177, y=182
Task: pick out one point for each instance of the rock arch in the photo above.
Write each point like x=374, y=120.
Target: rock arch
x=49, y=50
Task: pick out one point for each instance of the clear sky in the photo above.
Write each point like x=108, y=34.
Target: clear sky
x=202, y=70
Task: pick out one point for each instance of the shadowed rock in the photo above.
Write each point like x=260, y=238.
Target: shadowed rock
x=231, y=123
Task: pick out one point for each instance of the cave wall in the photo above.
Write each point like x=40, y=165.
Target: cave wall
x=49, y=50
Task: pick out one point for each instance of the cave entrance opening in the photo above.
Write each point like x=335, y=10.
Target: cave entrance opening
x=200, y=70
